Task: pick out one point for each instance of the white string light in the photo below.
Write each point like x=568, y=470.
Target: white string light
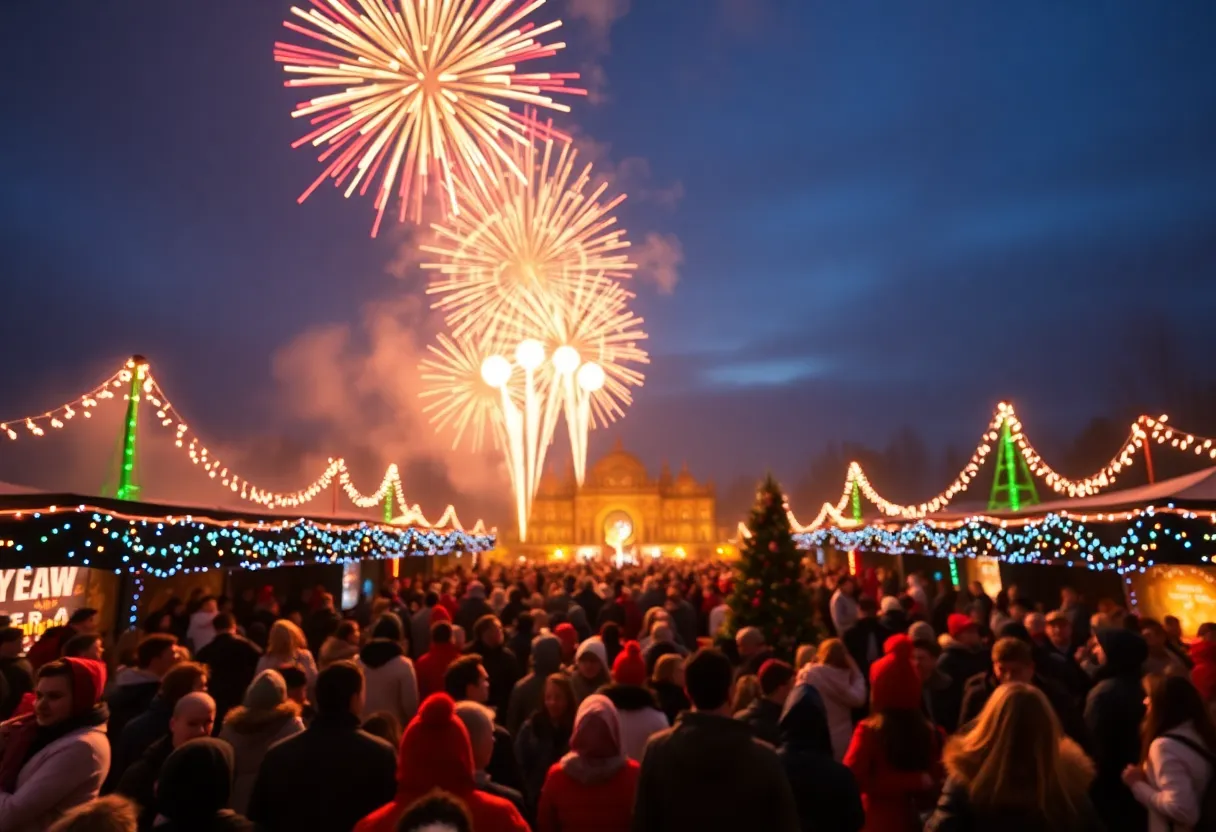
x=58, y=418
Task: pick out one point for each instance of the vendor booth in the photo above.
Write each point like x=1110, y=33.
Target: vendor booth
x=59, y=552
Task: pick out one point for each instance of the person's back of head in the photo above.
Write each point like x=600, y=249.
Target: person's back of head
x=224, y=622
x=707, y=680
x=479, y=722
x=182, y=679
x=776, y=679
x=195, y=783
x=85, y=645
x=384, y=725
x=105, y=814
x=436, y=811
x=867, y=607
x=1011, y=758
x=441, y=633
x=1173, y=701
x=749, y=641
x=340, y=690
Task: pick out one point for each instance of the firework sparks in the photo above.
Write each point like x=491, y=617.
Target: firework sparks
x=427, y=87
x=518, y=243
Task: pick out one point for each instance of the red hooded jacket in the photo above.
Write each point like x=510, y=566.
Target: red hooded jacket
x=431, y=667
x=1203, y=675
x=436, y=754
x=892, y=798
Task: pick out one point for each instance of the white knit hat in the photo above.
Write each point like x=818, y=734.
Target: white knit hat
x=595, y=646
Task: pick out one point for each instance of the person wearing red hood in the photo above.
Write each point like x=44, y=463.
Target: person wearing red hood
x=1203, y=674
x=57, y=757
x=436, y=754
x=433, y=664
x=896, y=752
x=593, y=786
x=568, y=636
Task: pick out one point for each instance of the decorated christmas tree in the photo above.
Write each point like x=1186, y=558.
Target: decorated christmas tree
x=769, y=593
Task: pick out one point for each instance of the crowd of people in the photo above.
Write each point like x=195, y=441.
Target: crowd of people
x=592, y=699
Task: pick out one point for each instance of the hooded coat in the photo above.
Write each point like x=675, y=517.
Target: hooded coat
x=232, y=662
x=708, y=773
x=132, y=693
x=332, y=757
x=842, y=690
x=892, y=796
x=60, y=766
x=265, y=718
x=528, y=694
x=436, y=754
x=593, y=786
x=584, y=687
x=432, y=667
x=1203, y=673
x=389, y=681
x=825, y=792
x=639, y=717
x=955, y=812
x=194, y=792
x=1113, y=711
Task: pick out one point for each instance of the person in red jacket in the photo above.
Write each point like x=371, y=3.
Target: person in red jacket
x=896, y=753
x=436, y=754
x=433, y=664
x=1203, y=674
x=591, y=789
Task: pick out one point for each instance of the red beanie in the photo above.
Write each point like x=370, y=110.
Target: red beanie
x=88, y=683
x=894, y=683
x=629, y=669
x=957, y=623
x=438, y=613
x=435, y=749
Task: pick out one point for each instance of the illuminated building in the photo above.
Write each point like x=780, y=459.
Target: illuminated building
x=673, y=516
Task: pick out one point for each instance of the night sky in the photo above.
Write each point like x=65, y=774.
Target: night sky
x=879, y=215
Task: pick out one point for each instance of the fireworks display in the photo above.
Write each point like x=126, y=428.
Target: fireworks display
x=519, y=244
x=426, y=91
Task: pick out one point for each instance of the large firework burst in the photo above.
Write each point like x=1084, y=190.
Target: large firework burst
x=519, y=244
x=427, y=90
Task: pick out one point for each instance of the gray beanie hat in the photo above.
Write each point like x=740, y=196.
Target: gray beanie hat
x=267, y=692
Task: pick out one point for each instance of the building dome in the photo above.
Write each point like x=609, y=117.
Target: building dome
x=618, y=469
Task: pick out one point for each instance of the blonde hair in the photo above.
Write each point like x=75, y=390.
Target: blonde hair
x=665, y=668
x=113, y=813
x=1017, y=757
x=832, y=652
x=286, y=639
x=747, y=690
x=804, y=656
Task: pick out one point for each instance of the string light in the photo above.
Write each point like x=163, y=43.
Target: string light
x=1141, y=432
x=163, y=545
x=83, y=406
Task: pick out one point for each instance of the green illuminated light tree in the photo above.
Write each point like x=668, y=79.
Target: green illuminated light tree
x=1013, y=486
x=768, y=591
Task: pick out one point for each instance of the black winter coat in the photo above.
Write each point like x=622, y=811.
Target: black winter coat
x=709, y=773
x=17, y=677
x=763, y=717
x=500, y=663
x=469, y=611
x=139, y=781
x=673, y=701
x=1113, y=711
x=232, y=662
x=138, y=737
x=979, y=690
x=331, y=757
x=825, y=791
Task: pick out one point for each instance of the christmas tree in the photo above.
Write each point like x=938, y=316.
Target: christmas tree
x=769, y=593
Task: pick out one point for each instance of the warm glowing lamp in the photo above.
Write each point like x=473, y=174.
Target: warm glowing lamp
x=530, y=354
x=496, y=371
x=591, y=377
x=566, y=359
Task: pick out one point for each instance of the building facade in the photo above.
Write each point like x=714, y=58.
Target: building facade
x=620, y=505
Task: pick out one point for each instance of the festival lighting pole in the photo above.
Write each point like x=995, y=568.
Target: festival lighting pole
x=127, y=487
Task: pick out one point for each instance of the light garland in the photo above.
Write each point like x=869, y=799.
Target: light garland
x=1143, y=431
x=83, y=406
x=161, y=546
x=1061, y=538
x=390, y=486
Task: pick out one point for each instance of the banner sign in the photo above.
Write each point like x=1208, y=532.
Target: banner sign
x=1188, y=592
x=38, y=599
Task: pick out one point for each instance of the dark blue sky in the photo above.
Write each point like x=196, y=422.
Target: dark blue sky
x=888, y=213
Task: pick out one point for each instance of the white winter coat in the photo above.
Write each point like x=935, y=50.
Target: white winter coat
x=391, y=687
x=840, y=696
x=637, y=727
x=1177, y=777
x=65, y=774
